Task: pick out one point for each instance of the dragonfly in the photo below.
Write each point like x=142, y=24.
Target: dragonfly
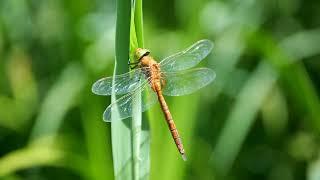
x=172, y=76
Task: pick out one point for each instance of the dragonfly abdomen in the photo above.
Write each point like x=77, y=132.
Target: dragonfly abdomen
x=171, y=124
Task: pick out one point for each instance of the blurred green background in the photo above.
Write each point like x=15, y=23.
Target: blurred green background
x=260, y=119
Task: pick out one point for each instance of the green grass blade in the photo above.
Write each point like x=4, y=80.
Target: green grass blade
x=294, y=75
x=302, y=44
x=38, y=153
x=99, y=154
x=120, y=130
x=48, y=151
x=59, y=100
x=13, y=113
x=138, y=21
x=140, y=129
x=242, y=117
x=136, y=134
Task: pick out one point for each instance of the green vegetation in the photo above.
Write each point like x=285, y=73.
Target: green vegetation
x=130, y=143
x=260, y=119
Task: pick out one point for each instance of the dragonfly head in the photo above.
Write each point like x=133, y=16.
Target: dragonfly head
x=140, y=52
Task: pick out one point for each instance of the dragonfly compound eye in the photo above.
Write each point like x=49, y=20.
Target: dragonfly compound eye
x=141, y=52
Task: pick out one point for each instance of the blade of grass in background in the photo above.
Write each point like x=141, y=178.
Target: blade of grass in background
x=36, y=154
x=13, y=113
x=229, y=144
x=96, y=139
x=313, y=171
x=58, y=101
x=301, y=45
x=294, y=75
x=46, y=151
x=241, y=117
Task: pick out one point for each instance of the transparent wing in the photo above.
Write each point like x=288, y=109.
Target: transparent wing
x=124, y=83
x=124, y=104
x=187, y=58
x=186, y=82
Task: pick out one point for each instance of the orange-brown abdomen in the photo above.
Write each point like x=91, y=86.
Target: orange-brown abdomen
x=155, y=82
x=171, y=124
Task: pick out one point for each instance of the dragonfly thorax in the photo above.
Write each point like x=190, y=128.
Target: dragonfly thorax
x=152, y=71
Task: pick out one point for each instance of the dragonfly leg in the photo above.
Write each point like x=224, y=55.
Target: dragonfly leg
x=133, y=67
x=136, y=64
x=132, y=63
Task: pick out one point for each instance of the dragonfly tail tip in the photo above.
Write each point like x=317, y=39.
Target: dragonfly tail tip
x=184, y=157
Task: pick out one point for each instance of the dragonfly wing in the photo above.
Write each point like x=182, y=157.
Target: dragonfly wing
x=125, y=103
x=186, y=82
x=187, y=58
x=123, y=83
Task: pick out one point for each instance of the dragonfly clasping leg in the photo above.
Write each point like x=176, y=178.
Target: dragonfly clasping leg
x=136, y=64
